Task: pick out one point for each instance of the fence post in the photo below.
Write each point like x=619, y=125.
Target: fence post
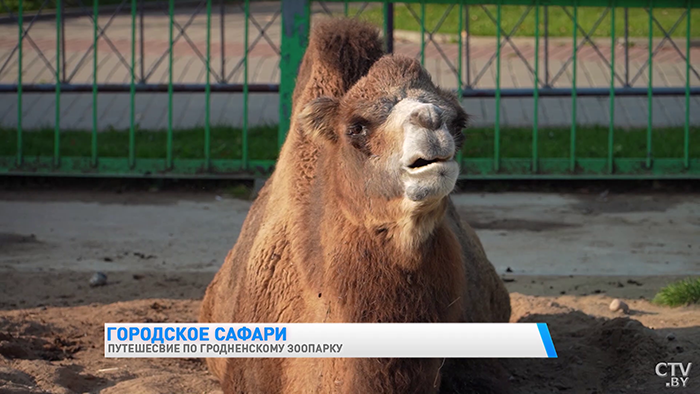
x=57, y=124
x=388, y=26
x=296, y=17
x=20, y=56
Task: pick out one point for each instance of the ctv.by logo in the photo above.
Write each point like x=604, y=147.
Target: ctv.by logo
x=675, y=369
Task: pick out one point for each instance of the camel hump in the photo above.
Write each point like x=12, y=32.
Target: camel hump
x=347, y=46
x=340, y=52
x=344, y=49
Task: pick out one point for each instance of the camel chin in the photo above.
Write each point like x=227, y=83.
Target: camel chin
x=431, y=182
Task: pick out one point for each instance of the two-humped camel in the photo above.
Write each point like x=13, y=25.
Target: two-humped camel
x=356, y=225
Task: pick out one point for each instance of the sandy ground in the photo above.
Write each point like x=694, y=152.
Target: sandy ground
x=563, y=257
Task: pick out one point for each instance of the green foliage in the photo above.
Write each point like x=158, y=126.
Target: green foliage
x=239, y=191
x=684, y=292
x=34, y=5
x=560, y=24
x=591, y=141
x=226, y=142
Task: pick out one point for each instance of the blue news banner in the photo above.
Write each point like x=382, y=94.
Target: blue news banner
x=328, y=340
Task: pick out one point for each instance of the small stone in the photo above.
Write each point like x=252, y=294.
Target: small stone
x=98, y=279
x=671, y=336
x=619, y=306
x=603, y=196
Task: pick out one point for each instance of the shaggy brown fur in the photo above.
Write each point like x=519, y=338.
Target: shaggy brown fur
x=328, y=239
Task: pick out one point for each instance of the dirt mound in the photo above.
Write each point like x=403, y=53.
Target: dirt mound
x=60, y=350
x=597, y=354
x=30, y=340
x=54, y=349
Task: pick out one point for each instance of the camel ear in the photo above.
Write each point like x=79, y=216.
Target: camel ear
x=318, y=119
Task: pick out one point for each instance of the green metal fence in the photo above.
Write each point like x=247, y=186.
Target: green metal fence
x=296, y=17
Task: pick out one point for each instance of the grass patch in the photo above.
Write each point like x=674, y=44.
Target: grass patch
x=239, y=191
x=591, y=141
x=226, y=143
x=34, y=5
x=683, y=292
x=560, y=25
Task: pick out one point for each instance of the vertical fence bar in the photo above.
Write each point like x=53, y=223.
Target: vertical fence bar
x=20, y=37
x=572, y=154
x=142, y=47
x=345, y=8
x=389, y=26
x=467, y=49
x=497, y=125
x=63, y=43
x=132, y=87
x=422, y=33
x=460, y=23
x=295, y=35
x=536, y=89
x=57, y=124
x=207, y=95
x=686, y=139
x=546, y=46
x=459, y=67
x=611, y=127
x=627, y=48
x=245, y=84
x=222, y=12
x=169, y=143
x=93, y=146
x=650, y=82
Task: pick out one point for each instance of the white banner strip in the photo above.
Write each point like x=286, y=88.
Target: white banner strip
x=329, y=340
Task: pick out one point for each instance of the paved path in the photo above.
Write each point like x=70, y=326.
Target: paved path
x=227, y=109
x=528, y=233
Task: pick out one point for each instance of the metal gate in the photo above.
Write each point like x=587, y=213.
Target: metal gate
x=442, y=38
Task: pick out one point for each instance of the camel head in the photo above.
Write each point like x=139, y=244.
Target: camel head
x=390, y=142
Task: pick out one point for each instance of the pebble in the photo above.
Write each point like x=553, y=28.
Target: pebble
x=616, y=305
x=671, y=336
x=98, y=279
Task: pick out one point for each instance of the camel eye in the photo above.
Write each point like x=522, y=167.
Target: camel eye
x=357, y=129
x=458, y=124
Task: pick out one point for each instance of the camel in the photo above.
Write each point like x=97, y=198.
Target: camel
x=356, y=225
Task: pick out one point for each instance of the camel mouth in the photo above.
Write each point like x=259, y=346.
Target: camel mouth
x=421, y=162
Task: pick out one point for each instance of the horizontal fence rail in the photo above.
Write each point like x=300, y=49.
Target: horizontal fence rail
x=218, y=54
